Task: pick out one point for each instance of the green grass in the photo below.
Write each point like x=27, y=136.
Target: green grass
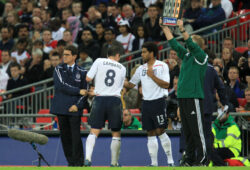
x=124, y=168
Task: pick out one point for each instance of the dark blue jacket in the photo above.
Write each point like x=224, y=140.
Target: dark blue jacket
x=212, y=82
x=67, y=90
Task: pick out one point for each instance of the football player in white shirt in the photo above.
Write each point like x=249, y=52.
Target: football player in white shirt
x=109, y=76
x=154, y=78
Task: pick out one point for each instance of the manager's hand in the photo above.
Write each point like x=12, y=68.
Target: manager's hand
x=73, y=108
x=83, y=92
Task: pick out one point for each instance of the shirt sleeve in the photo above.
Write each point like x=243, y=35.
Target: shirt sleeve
x=93, y=70
x=165, y=73
x=136, y=77
x=181, y=51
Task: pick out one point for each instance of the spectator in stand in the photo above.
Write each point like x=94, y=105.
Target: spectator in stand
x=218, y=70
x=246, y=54
x=192, y=13
x=16, y=80
x=102, y=7
x=57, y=29
x=60, y=47
x=49, y=65
x=210, y=16
x=227, y=62
x=7, y=42
x=125, y=38
x=6, y=62
x=218, y=62
x=43, y=4
x=113, y=15
x=25, y=12
x=241, y=4
x=8, y=7
x=244, y=68
x=34, y=67
x=89, y=43
x=141, y=36
x=66, y=13
x=12, y=18
x=227, y=6
x=48, y=42
x=228, y=43
x=37, y=28
x=38, y=44
x=234, y=83
x=23, y=31
x=74, y=25
x=46, y=16
x=247, y=97
x=174, y=70
x=36, y=11
x=67, y=37
x=84, y=59
x=77, y=9
x=4, y=77
x=140, y=10
x=94, y=16
x=152, y=23
x=21, y=55
x=129, y=16
x=99, y=28
x=109, y=35
x=130, y=122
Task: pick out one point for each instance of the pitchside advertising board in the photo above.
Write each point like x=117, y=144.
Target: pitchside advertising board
x=171, y=12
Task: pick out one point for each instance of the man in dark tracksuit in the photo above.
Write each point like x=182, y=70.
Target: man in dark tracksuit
x=190, y=93
x=68, y=102
x=212, y=82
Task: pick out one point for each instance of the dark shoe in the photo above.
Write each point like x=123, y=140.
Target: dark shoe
x=151, y=165
x=171, y=164
x=87, y=163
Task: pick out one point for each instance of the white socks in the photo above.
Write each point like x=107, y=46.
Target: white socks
x=115, y=150
x=90, y=143
x=166, y=144
x=153, y=149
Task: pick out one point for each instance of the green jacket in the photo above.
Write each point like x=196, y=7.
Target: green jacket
x=136, y=124
x=227, y=135
x=193, y=68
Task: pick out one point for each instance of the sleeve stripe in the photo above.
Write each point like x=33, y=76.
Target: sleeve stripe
x=59, y=75
x=204, y=62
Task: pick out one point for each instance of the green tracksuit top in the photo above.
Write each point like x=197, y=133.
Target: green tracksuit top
x=193, y=69
x=136, y=124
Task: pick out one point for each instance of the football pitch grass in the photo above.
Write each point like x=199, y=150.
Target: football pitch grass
x=124, y=168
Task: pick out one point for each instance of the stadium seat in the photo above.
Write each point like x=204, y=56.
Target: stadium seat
x=241, y=49
x=45, y=120
x=242, y=101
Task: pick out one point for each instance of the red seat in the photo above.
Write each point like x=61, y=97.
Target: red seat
x=242, y=101
x=44, y=119
x=241, y=49
x=135, y=111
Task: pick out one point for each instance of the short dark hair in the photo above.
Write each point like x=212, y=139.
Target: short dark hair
x=71, y=48
x=7, y=51
x=55, y=54
x=61, y=43
x=22, y=41
x=113, y=50
x=109, y=29
x=22, y=26
x=15, y=64
x=151, y=47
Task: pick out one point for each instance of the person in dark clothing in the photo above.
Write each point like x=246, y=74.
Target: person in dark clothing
x=34, y=68
x=211, y=82
x=7, y=43
x=89, y=43
x=68, y=104
x=152, y=24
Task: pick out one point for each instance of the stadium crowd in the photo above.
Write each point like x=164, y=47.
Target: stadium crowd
x=34, y=34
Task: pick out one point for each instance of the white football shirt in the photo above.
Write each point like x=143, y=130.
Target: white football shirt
x=109, y=76
x=150, y=90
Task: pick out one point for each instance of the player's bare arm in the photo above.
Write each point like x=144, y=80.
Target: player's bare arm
x=159, y=82
x=88, y=79
x=166, y=30
x=128, y=85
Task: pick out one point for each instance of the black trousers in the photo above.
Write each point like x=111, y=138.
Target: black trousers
x=71, y=139
x=208, y=133
x=219, y=155
x=192, y=118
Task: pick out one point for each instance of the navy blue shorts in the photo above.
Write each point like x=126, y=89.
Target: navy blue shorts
x=106, y=108
x=154, y=114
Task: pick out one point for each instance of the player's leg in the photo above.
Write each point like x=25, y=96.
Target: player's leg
x=152, y=145
x=159, y=117
x=115, y=124
x=166, y=144
x=96, y=121
x=90, y=143
x=115, y=147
